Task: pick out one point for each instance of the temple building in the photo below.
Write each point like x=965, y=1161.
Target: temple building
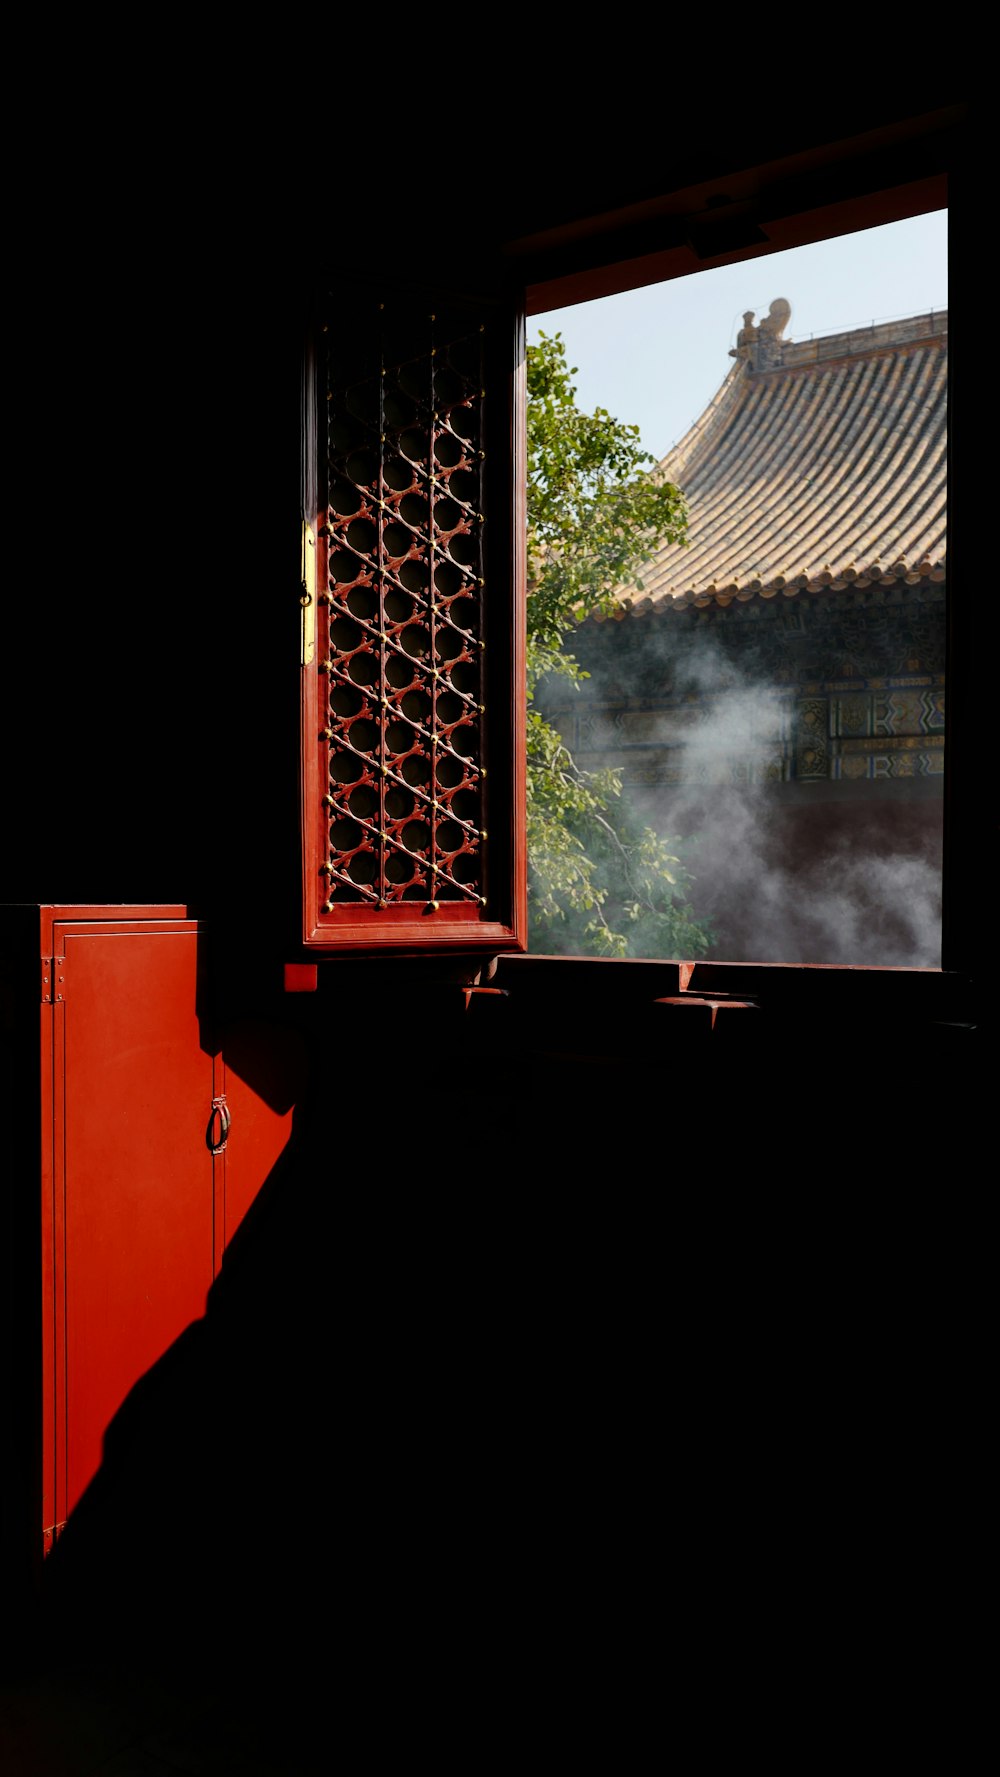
x=774, y=692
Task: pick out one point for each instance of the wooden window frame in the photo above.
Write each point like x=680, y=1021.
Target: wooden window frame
x=455, y=927
x=562, y=271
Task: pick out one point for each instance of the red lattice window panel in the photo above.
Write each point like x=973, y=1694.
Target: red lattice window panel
x=413, y=670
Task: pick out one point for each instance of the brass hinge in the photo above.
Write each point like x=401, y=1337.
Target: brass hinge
x=307, y=595
x=53, y=979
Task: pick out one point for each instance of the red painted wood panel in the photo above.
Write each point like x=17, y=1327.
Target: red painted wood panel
x=138, y=1079
x=133, y=1179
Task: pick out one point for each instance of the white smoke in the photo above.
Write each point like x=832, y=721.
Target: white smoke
x=866, y=887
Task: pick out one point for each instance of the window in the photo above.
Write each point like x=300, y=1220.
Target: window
x=570, y=233
x=412, y=647
x=775, y=693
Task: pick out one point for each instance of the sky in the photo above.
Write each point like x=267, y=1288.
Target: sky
x=655, y=357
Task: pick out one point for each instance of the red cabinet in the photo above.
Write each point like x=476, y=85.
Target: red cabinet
x=150, y=1148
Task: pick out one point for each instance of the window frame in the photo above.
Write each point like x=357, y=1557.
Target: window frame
x=559, y=230
x=561, y=275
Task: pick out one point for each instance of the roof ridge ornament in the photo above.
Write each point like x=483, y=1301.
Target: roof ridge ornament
x=762, y=348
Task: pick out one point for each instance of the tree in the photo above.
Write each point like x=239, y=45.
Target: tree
x=599, y=879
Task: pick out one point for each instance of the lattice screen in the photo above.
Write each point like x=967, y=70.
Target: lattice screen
x=401, y=633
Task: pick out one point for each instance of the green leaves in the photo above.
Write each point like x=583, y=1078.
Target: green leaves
x=598, y=510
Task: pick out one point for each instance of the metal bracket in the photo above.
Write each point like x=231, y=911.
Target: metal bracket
x=53, y=979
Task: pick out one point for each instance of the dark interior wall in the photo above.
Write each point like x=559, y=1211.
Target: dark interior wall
x=157, y=631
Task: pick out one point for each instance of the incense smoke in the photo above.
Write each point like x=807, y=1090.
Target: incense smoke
x=836, y=873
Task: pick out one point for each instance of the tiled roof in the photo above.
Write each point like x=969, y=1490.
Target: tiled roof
x=822, y=470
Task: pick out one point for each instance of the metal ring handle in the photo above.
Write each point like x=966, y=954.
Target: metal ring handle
x=216, y=1142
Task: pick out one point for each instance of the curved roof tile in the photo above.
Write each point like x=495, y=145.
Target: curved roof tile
x=825, y=469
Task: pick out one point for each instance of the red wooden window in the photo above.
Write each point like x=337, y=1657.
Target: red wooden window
x=412, y=645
